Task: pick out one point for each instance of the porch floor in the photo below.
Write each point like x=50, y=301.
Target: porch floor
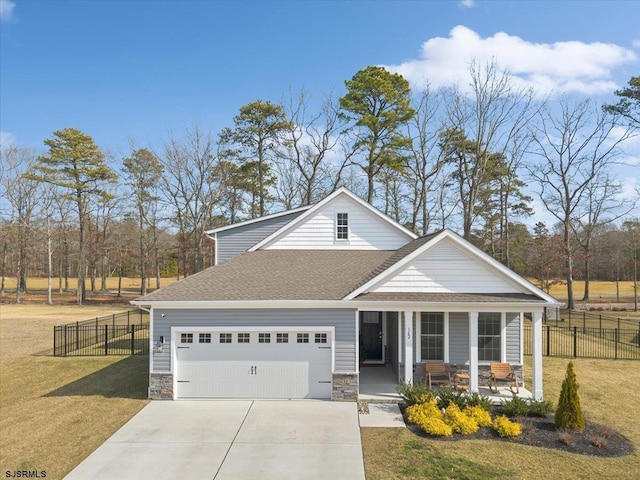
x=378, y=385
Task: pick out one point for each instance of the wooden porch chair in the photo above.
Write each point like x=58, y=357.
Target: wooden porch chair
x=437, y=373
x=501, y=372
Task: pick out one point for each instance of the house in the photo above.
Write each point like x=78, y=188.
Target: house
x=299, y=302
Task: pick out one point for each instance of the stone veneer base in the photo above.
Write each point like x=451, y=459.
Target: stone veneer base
x=344, y=387
x=161, y=386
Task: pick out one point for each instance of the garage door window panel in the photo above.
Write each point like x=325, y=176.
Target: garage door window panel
x=186, y=338
x=204, y=338
x=225, y=338
x=282, y=338
x=264, y=338
x=303, y=338
x=244, y=338
x=321, y=338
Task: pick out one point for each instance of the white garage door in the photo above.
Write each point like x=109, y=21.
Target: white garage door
x=253, y=364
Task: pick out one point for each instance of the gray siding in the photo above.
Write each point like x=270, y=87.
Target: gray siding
x=342, y=319
x=234, y=241
x=513, y=337
x=458, y=338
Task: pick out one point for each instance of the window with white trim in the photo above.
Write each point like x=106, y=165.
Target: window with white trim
x=342, y=226
x=303, y=338
x=204, y=338
x=186, y=338
x=264, y=338
x=489, y=336
x=432, y=336
x=244, y=338
x=225, y=338
x=282, y=338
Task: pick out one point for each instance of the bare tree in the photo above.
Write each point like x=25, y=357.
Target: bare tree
x=483, y=125
x=311, y=138
x=22, y=196
x=602, y=205
x=575, y=146
x=190, y=191
x=424, y=161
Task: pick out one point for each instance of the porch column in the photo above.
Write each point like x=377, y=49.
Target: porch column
x=536, y=344
x=408, y=346
x=473, y=351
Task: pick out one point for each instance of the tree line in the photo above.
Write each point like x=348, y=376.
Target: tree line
x=471, y=157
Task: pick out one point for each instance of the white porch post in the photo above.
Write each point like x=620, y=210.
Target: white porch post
x=536, y=341
x=473, y=351
x=408, y=346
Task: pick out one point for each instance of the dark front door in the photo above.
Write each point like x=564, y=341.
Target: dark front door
x=371, y=337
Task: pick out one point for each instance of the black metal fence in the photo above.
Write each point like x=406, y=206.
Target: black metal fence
x=585, y=319
x=586, y=342
x=125, y=333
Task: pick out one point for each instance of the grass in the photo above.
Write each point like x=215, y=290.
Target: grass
x=40, y=283
x=597, y=289
x=608, y=393
x=55, y=411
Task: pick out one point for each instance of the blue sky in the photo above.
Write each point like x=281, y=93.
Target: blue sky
x=135, y=69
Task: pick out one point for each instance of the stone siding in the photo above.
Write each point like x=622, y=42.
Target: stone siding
x=161, y=386
x=344, y=387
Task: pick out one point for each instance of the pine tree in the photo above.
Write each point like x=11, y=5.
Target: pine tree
x=569, y=413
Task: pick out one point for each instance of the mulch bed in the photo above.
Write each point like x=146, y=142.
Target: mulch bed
x=596, y=440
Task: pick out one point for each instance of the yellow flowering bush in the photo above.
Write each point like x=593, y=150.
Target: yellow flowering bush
x=436, y=426
x=505, y=427
x=459, y=421
x=479, y=414
x=419, y=412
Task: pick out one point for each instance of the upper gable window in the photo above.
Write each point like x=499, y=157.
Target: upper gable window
x=342, y=226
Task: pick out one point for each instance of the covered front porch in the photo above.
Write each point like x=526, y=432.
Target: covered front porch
x=378, y=384
x=393, y=346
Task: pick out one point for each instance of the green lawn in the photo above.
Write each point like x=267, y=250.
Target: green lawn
x=609, y=395
x=55, y=411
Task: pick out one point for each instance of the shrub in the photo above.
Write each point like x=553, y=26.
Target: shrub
x=516, y=407
x=505, y=427
x=566, y=437
x=415, y=393
x=436, y=426
x=447, y=396
x=479, y=414
x=569, y=413
x=541, y=408
x=419, y=412
x=458, y=421
x=475, y=399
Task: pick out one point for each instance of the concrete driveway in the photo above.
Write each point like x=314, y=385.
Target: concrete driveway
x=227, y=440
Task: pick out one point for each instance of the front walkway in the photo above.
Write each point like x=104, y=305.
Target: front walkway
x=232, y=440
x=378, y=385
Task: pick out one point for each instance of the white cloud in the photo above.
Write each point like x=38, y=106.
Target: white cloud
x=6, y=140
x=6, y=10
x=467, y=3
x=558, y=67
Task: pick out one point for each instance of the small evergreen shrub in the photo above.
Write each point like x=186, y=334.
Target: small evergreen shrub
x=458, y=421
x=516, y=407
x=569, y=414
x=479, y=414
x=447, y=396
x=541, y=408
x=505, y=427
x=415, y=393
x=475, y=399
